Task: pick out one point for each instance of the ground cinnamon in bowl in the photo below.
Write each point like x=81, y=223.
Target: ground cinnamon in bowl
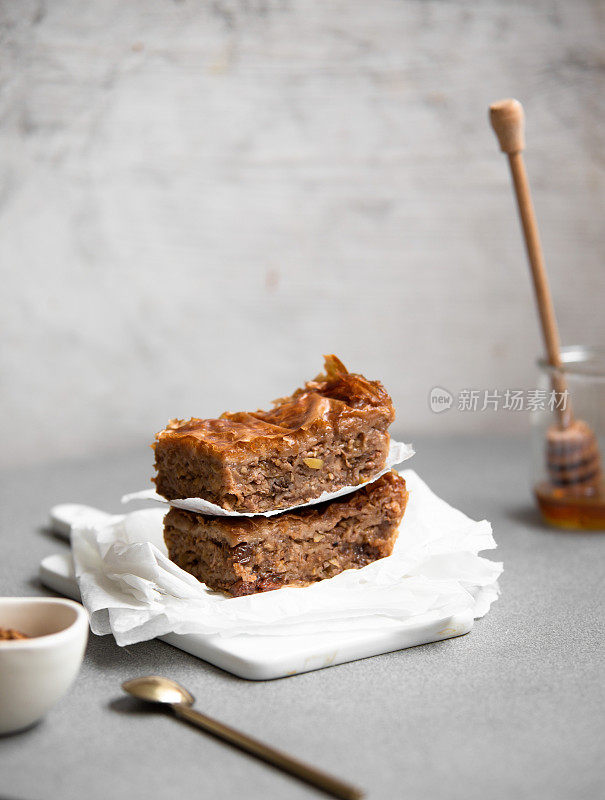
x=7, y=634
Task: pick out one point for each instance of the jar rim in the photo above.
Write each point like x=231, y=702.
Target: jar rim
x=582, y=360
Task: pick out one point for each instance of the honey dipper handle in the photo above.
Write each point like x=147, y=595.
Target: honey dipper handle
x=508, y=121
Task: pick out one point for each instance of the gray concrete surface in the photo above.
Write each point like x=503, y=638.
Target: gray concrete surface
x=181, y=178
x=514, y=709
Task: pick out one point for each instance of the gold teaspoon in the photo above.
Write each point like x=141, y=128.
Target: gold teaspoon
x=155, y=689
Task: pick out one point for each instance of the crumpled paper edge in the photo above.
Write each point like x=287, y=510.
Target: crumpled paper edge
x=133, y=608
x=398, y=452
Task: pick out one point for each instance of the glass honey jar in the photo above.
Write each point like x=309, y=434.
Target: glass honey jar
x=568, y=440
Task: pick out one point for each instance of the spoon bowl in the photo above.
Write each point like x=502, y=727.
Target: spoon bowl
x=155, y=689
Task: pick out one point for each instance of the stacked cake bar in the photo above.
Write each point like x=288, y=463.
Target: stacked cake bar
x=330, y=434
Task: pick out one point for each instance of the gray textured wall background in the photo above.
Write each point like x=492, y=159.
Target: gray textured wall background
x=200, y=198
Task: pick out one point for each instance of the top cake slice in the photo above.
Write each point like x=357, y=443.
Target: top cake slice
x=329, y=434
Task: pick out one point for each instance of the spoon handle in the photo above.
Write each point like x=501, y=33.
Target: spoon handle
x=278, y=759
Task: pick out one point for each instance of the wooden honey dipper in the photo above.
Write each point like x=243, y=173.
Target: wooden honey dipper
x=572, y=450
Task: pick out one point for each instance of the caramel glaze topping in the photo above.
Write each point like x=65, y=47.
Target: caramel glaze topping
x=330, y=400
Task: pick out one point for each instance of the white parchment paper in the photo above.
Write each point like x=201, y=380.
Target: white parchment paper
x=398, y=452
x=132, y=589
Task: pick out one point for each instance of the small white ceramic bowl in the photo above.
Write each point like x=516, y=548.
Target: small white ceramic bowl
x=36, y=672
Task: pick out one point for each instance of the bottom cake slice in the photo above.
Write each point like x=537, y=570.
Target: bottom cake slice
x=243, y=555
